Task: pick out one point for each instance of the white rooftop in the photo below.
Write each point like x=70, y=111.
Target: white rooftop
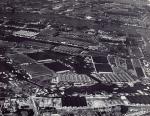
x=24, y=33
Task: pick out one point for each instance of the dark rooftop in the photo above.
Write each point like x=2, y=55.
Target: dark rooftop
x=56, y=66
x=103, y=68
x=139, y=99
x=100, y=59
x=74, y=101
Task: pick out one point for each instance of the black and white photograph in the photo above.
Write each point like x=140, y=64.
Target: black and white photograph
x=74, y=57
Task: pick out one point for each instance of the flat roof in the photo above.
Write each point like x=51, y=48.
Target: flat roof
x=39, y=56
x=103, y=67
x=74, y=101
x=20, y=58
x=5, y=67
x=24, y=33
x=37, y=70
x=100, y=59
x=139, y=99
x=56, y=66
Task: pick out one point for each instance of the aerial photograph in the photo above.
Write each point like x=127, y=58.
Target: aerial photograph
x=74, y=57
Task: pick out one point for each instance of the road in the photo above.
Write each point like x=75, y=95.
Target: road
x=146, y=37
x=34, y=106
